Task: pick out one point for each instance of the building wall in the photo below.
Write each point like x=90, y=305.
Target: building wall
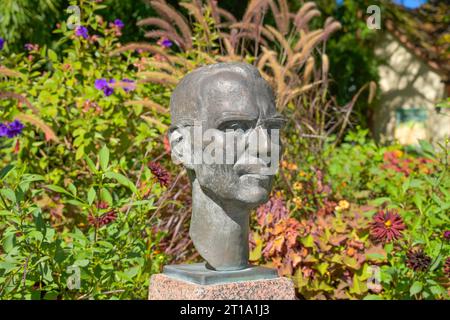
x=407, y=82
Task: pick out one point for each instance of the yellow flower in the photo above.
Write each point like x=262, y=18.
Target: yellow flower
x=297, y=186
x=342, y=205
x=279, y=194
x=398, y=153
x=288, y=165
x=302, y=173
x=297, y=201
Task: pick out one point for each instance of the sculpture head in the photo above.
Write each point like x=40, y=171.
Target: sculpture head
x=225, y=132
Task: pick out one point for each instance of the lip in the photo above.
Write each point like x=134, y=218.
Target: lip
x=256, y=176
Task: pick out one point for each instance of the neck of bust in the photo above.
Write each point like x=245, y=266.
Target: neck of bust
x=219, y=235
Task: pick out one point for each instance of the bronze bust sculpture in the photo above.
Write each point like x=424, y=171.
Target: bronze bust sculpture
x=225, y=133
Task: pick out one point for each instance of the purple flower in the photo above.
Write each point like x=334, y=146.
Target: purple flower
x=119, y=23
x=3, y=130
x=129, y=87
x=12, y=129
x=81, y=32
x=108, y=91
x=166, y=43
x=100, y=84
x=2, y=42
x=15, y=128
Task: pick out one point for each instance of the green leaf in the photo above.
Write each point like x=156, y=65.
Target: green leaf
x=388, y=247
x=104, y=158
x=32, y=178
x=4, y=172
x=72, y=189
x=120, y=178
x=91, y=195
x=35, y=234
x=372, y=297
x=255, y=254
x=416, y=287
x=9, y=242
x=358, y=285
x=90, y=164
x=80, y=153
x=308, y=241
x=76, y=203
x=380, y=201
x=9, y=194
x=375, y=256
x=52, y=55
x=427, y=148
x=143, y=203
x=106, y=196
x=82, y=262
x=322, y=268
x=58, y=189
x=438, y=290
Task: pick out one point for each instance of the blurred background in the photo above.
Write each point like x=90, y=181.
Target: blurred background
x=408, y=57
x=88, y=189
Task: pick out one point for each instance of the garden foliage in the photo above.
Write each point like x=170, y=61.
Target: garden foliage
x=91, y=205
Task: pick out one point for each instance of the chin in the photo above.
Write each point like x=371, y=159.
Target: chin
x=254, y=195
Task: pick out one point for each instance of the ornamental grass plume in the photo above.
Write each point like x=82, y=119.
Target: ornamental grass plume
x=161, y=174
x=417, y=260
x=128, y=85
x=387, y=226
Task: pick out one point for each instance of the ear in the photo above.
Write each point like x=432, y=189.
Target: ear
x=180, y=146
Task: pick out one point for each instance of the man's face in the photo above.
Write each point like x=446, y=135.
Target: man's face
x=238, y=140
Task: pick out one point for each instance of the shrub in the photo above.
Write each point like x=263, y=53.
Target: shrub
x=372, y=226
x=61, y=210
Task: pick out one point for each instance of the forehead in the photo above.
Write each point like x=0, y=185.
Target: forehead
x=229, y=94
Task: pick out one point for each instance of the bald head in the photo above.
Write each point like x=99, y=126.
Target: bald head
x=213, y=91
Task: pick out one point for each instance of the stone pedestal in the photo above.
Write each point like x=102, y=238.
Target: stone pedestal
x=165, y=287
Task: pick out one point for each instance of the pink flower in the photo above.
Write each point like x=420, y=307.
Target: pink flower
x=387, y=226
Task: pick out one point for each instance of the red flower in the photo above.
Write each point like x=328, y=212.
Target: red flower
x=447, y=267
x=447, y=235
x=105, y=218
x=160, y=173
x=387, y=226
x=417, y=260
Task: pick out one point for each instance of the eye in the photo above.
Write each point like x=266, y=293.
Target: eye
x=235, y=125
x=276, y=123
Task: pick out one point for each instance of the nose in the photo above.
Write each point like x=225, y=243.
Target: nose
x=263, y=144
x=256, y=156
